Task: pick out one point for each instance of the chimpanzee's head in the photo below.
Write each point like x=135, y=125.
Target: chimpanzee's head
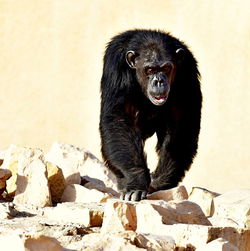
x=155, y=70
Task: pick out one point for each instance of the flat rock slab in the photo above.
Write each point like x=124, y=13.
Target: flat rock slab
x=30, y=222
x=78, y=193
x=218, y=245
x=88, y=215
x=177, y=193
x=234, y=205
x=127, y=240
x=149, y=215
x=198, y=236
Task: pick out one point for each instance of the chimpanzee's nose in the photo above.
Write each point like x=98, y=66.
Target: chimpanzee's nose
x=158, y=82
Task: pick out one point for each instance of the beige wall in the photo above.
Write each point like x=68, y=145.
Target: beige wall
x=51, y=62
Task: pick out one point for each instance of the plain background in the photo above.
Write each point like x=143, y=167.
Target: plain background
x=51, y=63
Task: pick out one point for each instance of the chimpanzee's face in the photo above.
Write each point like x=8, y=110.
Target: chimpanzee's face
x=155, y=72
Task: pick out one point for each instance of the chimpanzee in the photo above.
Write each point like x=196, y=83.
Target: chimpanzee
x=150, y=84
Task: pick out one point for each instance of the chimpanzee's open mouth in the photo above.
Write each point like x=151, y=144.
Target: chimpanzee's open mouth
x=158, y=100
x=161, y=98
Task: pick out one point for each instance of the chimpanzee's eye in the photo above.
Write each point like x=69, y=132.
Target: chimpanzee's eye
x=150, y=71
x=167, y=69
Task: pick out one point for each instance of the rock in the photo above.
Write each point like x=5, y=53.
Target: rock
x=234, y=205
x=79, y=213
x=106, y=242
x=177, y=193
x=7, y=210
x=76, y=162
x=94, y=170
x=4, y=175
x=4, y=211
x=78, y=193
x=57, y=183
x=101, y=188
x=127, y=240
x=42, y=243
x=193, y=236
x=69, y=158
x=223, y=222
x=155, y=242
x=25, y=210
x=11, y=157
x=218, y=245
x=80, y=225
x=11, y=242
x=119, y=216
x=155, y=215
x=32, y=183
x=204, y=198
x=28, y=223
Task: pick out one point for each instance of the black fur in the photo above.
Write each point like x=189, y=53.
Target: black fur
x=128, y=118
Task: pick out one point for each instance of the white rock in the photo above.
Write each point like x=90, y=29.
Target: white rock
x=106, y=242
x=198, y=235
x=32, y=183
x=6, y=210
x=155, y=242
x=94, y=170
x=119, y=216
x=223, y=222
x=11, y=158
x=11, y=242
x=79, y=213
x=218, y=245
x=126, y=240
x=68, y=158
x=78, y=193
x=177, y=193
x=101, y=187
x=203, y=198
x=150, y=216
x=154, y=215
x=76, y=162
x=234, y=205
x=12, y=155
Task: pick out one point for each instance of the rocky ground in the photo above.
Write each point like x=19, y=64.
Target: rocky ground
x=68, y=200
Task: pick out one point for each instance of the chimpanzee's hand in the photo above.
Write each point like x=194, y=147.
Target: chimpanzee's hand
x=134, y=195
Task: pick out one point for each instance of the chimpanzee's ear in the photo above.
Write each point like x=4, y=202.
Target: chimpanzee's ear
x=130, y=59
x=180, y=53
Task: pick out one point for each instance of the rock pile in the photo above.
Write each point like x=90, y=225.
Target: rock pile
x=68, y=200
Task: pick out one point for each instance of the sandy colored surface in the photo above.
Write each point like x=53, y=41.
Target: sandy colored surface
x=51, y=64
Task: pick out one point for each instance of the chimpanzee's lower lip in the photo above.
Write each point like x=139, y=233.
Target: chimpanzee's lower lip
x=158, y=100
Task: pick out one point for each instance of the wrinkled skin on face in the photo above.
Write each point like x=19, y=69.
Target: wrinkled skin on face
x=155, y=72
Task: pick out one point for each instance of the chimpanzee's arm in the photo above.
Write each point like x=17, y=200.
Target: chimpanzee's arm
x=177, y=146
x=122, y=149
